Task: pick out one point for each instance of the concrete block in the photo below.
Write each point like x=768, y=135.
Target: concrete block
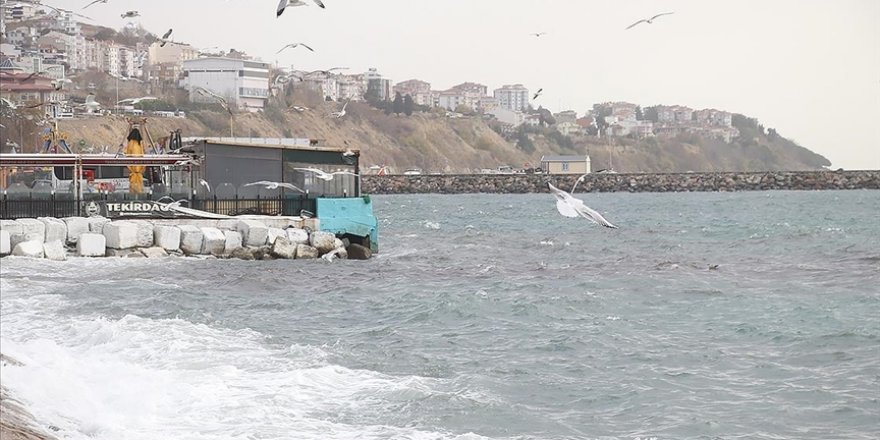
x=144, y=233
x=233, y=241
x=96, y=224
x=191, y=239
x=121, y=235
x=54, y=250
x=154, y=252
x=55, y=229
x=228, y=224
x=91, y=245
x=253, y=233
x=76, y=226
x=298, y=236
x=283, y=248
x=5, y=242
x=31, y=229
x=322, y=241
x=167, y=237
x=214, y=241
x=30, y=248
x=12, y=227
x=306, y=252
x=311, y=224
x=274, y=233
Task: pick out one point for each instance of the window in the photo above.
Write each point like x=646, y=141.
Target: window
x=565, y=166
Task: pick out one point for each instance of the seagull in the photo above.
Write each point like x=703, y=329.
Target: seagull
x=205, y=92
x=164, y=38
x=340, y=113
x=537, y=94
x=325, y=175
x=648, y=20
x=135, y=101
x=576, y=182
x=332, y=255
x=58, y=84
x=538, y=34
x=96, y=1
x=275, y=185
x=130, y=14
x=572, y=207
x=293, y=45
x=204, y=183
x=285, y=3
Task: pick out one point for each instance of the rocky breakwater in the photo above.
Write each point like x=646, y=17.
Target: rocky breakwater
x=673, y=182
x=264, y=238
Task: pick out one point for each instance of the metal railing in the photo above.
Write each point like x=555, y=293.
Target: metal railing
x=14, y=206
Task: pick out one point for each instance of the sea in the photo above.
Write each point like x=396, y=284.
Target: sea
x=750, y=315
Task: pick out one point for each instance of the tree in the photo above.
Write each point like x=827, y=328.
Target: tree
x=398, y=104
x=651, y=114
x=386, y=106
x=639, y=115
x=408, y=105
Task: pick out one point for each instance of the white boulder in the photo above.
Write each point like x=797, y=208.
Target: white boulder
x=214, y=242
x=91, y=245
x=253, y=233
x=30, y=248
x=144, y=233
x=274, y=233
x=54, y=250
x=167, y=237
x=121, y=235
x=283, y=248
x=191, y=239
x=31, y=229
x=306, y=252
x=233, y=241
x=5, y=242
x=76, y=226
x=96, y=224
x=323, y=241
x=55, y=229
x=298, y=236
x=11, y=226
x=154, y=252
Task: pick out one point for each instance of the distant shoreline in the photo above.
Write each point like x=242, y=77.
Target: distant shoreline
x=603, y=182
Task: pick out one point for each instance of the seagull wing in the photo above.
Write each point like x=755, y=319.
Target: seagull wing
x=636, y=23
x=285, y=47
x=662, y=14
x=345, y=172
x=290, y=186
x=319, y=3
x=281, y=6
x=565, y=209
x=261, y=183
x=346, y=105
x=167, y=34
x=591, y=214
x=306, y=46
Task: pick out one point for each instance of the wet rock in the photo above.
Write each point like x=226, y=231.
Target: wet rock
x=154, y=252
x=253, y=233
x=297, y=236
x=144, y=233
x=167, y=237
x=96, y=224
x=121, y=235
x=243, y=254
x=214, y=241
x=322, y=241
x=122, y=253
x=273, y=234
x=306, y=252
x=359, y=252
x=56, y=230
x=76, y=226
x=31, y=229
x=232, y=241
x=191, y=239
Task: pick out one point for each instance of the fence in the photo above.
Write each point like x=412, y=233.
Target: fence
x=63, y=205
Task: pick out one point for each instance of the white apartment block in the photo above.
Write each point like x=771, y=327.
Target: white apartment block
x=111, y=60
x=513, y=97
x=243, y=83
x=171, y=53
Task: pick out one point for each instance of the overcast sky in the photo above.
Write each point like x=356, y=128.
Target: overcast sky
x=809, y=68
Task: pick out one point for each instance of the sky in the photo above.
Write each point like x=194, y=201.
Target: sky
x=808, y=68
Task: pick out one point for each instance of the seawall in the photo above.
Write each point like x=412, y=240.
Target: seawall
x=673, y=182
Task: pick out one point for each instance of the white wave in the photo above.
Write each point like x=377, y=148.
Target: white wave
x=140, y=378
x=431, y=225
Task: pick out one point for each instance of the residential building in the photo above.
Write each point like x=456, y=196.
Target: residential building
x=325, y=84
x=19, y=11
x=513, y=97
x=420, y=91
x=714, y=117
x=450, y=99
x=566, y=116
x=242, y=83
x=24, y=89
x=378, y=86
x=586, y=122
x=533, y=120
x=624, y=111
x=508, y=117
x=488, y=104
x=568, y=128
x=566, y=164
x=171, y=53
x=111, y=60
x=351, y=87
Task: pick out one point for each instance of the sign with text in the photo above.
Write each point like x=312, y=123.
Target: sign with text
x=132, y=209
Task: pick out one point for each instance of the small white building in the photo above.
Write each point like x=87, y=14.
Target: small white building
x=242, y=83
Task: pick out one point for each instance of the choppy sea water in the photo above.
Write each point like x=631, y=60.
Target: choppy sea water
x=484, y=316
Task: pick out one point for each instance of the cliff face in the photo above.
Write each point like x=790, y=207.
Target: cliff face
x=435, y=143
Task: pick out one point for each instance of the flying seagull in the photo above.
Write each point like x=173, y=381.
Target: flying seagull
x=538, y=34
x=537, y=94
x=165, y=36
x=325, y=175
x=293, y=45
x=204, y=183
x=222, y=101
x=285, y=3
x=135, y=101
x=340, y=113
x=648, y=20
x=96, y=1
x=130, y=14
x=572, y=207
x=275, y=185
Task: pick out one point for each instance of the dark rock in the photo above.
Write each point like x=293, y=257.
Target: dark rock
x=358, y=252
x=243, y=254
